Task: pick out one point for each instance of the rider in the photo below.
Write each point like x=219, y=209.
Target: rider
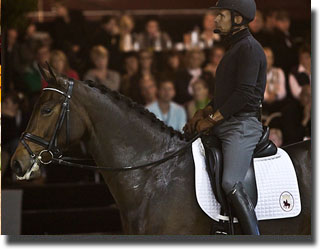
x=233, y=113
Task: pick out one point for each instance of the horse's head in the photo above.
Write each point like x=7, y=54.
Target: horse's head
x=50, y=128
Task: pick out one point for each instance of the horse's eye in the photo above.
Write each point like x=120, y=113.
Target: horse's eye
x=46, y=111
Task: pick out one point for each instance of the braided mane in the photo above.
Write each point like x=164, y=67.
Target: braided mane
x=136, y=107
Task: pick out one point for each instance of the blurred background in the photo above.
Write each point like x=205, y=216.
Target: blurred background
x=152, y=51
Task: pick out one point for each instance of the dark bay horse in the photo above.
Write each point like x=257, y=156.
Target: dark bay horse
x=151, y=200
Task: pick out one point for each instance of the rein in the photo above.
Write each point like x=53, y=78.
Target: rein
x=55, y=154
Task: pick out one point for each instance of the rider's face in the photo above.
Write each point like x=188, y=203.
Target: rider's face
x=223, y=21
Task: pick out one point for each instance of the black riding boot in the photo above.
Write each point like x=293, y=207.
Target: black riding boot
x=244, y=210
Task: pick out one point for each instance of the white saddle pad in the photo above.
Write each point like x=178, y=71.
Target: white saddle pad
x=278, y=191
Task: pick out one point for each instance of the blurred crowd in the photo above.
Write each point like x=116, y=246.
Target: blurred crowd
x=172, y=78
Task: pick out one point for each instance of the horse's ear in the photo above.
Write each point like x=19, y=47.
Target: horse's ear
x=47, y=75
x=50, y=76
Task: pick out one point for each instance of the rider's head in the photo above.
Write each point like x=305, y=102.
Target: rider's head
x=233, y=15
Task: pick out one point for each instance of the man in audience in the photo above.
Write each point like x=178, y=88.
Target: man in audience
x=153, y=38
x=207, y=36
x=148, y=88
x=165, y=109
x=282, y=44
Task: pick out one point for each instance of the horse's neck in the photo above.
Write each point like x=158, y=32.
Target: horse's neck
x=119, y=136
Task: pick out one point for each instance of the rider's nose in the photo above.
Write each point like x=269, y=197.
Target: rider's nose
x=17, y=168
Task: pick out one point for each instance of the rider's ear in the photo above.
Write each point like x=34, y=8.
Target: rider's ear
x=238, y=19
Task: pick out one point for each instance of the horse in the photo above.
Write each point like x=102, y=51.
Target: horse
x=152, y=200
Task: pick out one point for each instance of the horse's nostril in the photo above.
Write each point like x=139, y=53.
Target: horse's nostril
x=17, y=168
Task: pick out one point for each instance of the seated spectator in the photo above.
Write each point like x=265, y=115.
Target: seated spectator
x=282, y=45
x=59, y=62
x=208, y=36
x=101, y=73
x=153, y=38
x=215, y=56
x=172, y=65
x=301, y=74
x=189, y=75
x=12, y=59
x=296, y=118
x=31, y=76
x=108, y=35
x=275, y=86
x=148, y=88
x=200, y=98
x=256, y=27
x=146, y=71
x=13, y=122
x=165, y=109
x=127, y=38
x=131, y=66
x=68, y=28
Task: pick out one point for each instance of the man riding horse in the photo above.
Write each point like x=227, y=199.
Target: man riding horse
x=233, y=114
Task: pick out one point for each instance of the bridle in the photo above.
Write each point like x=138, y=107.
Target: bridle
x=51, y=146
x=55, y=154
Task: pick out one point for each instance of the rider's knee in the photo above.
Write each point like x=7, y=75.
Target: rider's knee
x=227, y=185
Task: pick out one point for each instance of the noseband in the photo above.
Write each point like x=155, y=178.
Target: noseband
x=51, y=147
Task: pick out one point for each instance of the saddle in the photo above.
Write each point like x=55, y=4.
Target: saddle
x=214, y=161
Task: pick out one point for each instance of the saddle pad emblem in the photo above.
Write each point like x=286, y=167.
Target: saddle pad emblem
x=286, y=201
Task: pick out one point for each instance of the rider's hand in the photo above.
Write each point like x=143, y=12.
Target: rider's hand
x=205, y=124
x=190, y=127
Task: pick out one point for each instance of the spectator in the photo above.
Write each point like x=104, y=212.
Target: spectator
x=31, y=76
x=282, y=45
x=145, y=72
x=200, y=98
x=301, y=74
x=256, y=27
x=172, y=65
x=131, y=65
x=186, y=77
x=296, y=116
x=13, y=122
x=270, y=21
x=215, y=57
x=153, y=38
x=108, y=35
x=127, y=39
x=68, y=28
x=12, y=59
x=149, y=90
x=275, y=86
x=59, y=62
x=207, y=36
x=165, y=109
x=101, y=73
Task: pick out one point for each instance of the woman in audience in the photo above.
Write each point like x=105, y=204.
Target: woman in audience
x=126, y=26
x=301, y=74
x=131, y=66
x=189, y=75
x=215, y=57
x=100, y=73
x=59, y=62
x=200, y=98
x=275, y=87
